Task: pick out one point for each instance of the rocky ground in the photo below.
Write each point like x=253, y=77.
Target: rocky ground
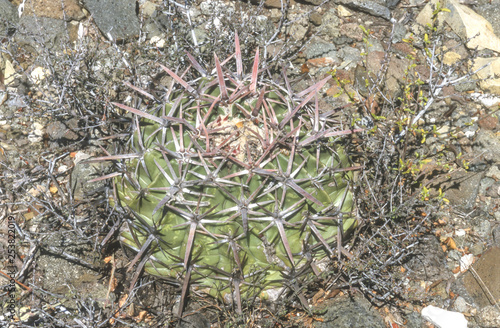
x=63, y=62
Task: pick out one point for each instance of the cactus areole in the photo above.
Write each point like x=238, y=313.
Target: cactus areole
x=237, y=186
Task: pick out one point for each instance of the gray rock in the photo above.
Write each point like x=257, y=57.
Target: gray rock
x=298, y=31
x=487, y=143
x=489, y=317
x=362, y=80
x=350, y=54
x=429, y=261
x=118, y=18
x=162, y=21
x=476, y=249
x=8, y=17
x=491, y=12
x=320, y=50
x=42, y=32
x=63, y=131
x=454, y=254
x=465, y=86
x=482, y=227
x=400, y=31
x=81, y=174
x=369, y=7
x=346, y=312
x=313, y=2
x=316, y=18
x=152, y=29
x=460, y=305
x=330, y=24
x=342, y=40
x=201, y=35
x=485, y=185
x=462, y=188
x=391, y=3
x=375, y=45
x=493, y=172
x=464, y=123
x=387, y=3
x=195, y=320
x=414, y=320
x=496, y=235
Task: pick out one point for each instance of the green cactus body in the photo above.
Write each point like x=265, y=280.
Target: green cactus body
x=234, y=184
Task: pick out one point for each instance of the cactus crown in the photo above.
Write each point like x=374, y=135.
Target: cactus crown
x=235, y=186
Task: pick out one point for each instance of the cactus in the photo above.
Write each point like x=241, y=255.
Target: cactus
x=236, y=186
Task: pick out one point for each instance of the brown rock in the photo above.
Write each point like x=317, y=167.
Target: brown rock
x=58, y=9
x=462, y=188
x=374, y=61
x=320, y=62
x=73, y=30
x=457, y=47
x=488, y=269
x=488, y=122
x=352, y=30
x=316, y=18
x=423, y=72
x=403, y=48
x=362, y=80
x=395, y=75
x=397, y=68
x=272, y=3
x=448, y=91
x=343, y=75
x=63, y=131
x=333, y=91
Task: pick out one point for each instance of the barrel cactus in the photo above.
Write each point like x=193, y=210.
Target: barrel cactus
x=236, y=185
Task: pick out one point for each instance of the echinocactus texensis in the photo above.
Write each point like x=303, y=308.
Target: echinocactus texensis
x=235, y=185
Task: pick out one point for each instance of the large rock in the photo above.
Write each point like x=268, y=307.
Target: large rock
x=489, y=317
x=487, y=143
x=462, y=188
x=331, y=24
x=346, y=312
x=488, y=73
x=468, y=24
x=67, y=9
x=42, y=32
x=490, y=10
x=8, y=17
x=428, y=261
x=117, y=18
x=465, y=22
x=488, y=270
x=80, y=176
x=369, y=7
x=63, y=131
x=321, y=50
